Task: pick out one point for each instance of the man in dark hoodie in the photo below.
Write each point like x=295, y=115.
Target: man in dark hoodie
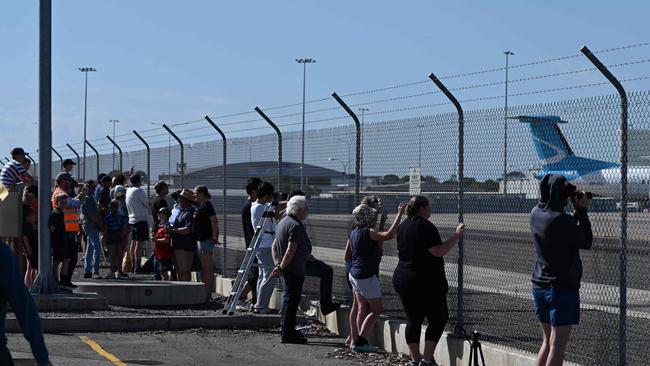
x=558, y=238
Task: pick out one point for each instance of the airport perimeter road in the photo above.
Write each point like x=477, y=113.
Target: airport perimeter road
x=191, y=347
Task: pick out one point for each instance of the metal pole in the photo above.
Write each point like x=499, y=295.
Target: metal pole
x=225, y=180
x=180, y=143
x=420, y=148
x=459, y=328
x=363, y=146
x=357, y=167
x=277, y=131
x=623, y=254
x=96, y=154
x=113, y=121
x=85, y=115
x=45, y=282
x=118, y=149
x=33, y=165
x=57, y=154
x=505, y=131
x=304, y=62
x=78, y=159
x=148, y=162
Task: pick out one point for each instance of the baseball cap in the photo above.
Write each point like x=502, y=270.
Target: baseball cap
x=120, y=190
x=68, y=161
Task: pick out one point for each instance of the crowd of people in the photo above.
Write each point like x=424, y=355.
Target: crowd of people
x=120, y=217
x=113, y=219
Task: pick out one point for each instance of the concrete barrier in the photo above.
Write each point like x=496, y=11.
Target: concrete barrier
x=146, y=293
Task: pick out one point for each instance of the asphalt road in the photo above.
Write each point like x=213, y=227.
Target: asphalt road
x=192, y=347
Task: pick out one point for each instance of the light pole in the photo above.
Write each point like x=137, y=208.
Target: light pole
x=113, y=121
x=304, y=62
x=505, y=130
x=169, y=154
x=363, y=135
x=345, y=171
x=85, y=70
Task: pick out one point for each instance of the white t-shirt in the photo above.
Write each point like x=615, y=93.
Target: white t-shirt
x=257, y=209
x=137, y=205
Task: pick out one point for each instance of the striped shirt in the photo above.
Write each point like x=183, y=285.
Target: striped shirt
x=11, y=172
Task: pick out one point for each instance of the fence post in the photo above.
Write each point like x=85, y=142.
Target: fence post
x=277, y=130
x=96, y=156
x=118, y=149
x=57, y=154
x=623, y=254
x=357, y=164
x=180, y=143
x=460, y=320
x=33, y=165
x=148, y=162
x=78, y=159
x=225, y=180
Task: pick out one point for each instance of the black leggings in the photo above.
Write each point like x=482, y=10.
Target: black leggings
x=421, y=302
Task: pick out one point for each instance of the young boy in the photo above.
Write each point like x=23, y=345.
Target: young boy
x=116, y=224
x=58, y=241
x=30, y=244
x=163, y=253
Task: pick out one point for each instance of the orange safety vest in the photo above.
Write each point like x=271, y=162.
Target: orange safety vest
x=70, y=216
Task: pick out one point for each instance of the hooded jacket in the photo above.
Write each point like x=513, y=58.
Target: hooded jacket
x=558, y=236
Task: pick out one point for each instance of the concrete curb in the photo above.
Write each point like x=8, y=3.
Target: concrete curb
x=148, y=323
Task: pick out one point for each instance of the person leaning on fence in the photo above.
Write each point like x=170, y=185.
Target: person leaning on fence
x=14, y=172
x=249, y=231
x=140, y=218
x=266, y=283
x=162, y=250
x=419, y=278
x=206, y=229
x=358, y=310
x=558, y=238
x=364, y=252
x=116, y=227
x=294, y=248
x=183, y=239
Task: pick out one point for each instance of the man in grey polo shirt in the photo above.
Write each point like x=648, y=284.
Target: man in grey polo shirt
x=295, y=247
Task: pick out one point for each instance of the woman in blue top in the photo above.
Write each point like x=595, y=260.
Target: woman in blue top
x=364, y=253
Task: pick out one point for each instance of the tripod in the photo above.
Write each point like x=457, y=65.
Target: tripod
x=475, y=349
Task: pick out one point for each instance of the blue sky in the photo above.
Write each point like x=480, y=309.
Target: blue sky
x=160, y=61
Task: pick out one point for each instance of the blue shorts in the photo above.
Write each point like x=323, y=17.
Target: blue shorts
x=205, y=246
x=556, y=306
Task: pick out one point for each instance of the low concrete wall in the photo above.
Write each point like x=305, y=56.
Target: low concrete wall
x=389, y=335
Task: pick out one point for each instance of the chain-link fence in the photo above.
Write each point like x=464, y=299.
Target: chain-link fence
x=506, y=151
x=498, y=250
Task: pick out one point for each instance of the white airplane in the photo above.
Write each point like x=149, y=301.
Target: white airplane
x=600, y=177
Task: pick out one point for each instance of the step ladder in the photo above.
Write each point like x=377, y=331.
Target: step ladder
x=248, y=262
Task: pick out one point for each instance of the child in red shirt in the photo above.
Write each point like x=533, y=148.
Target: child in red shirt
x=163, y=253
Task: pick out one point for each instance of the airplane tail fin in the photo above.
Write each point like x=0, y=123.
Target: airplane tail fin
x=552, y=148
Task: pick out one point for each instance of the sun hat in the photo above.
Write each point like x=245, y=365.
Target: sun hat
x=188, y=195
x=364, y=215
